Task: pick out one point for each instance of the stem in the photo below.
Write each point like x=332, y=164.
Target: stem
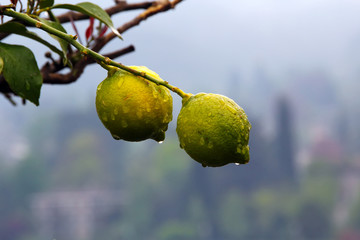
x=88, y=52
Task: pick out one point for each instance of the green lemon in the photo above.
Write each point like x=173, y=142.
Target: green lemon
x=133, y=108
x=213, y=130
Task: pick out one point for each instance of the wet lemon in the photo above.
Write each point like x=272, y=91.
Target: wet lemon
x=133, y=108
x=213, y=130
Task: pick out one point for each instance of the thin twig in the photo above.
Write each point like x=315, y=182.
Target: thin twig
x=152, y=10
x=116, y=54
x=119, y=7
x=49, y=70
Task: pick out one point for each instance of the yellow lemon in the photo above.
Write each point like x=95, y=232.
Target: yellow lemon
x=133, y=108
x=213, y=130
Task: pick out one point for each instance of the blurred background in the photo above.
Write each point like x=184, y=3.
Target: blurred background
x=294, y=66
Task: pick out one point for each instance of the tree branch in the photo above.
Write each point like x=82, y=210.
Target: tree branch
x=119, y=7
x=50, y=70
x=155, y=8
x=100, y=43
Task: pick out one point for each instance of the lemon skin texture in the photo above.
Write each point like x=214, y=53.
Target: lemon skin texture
x=133, y=108
x=213, y=130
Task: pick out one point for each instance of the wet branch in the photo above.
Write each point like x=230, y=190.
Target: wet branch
x=50, y=70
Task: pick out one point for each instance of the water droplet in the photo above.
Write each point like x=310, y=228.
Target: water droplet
x=124, y=124
x=116, y=111
x=116, y=137
x=165, y=98
x=99, y=87
x=154, y=94
x=210, y=145
x=237, y=164
x=27, y=85
x=203, y=164
x=165, y=118
x=181, y=146
x=125, y=109
x=139, y=114
x=202, y=141
x=160, y=142
x=238, y=149
x=112, y=117
x=104, y=117
x=231, y=109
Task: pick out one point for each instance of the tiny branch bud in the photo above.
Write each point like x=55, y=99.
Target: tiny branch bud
x=38, y=24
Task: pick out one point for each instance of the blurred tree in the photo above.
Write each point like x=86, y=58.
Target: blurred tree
x=314, y=221
x=176, y=230
x=284, y=142
x=235, y=219
x=16, y=188
x=354, y=218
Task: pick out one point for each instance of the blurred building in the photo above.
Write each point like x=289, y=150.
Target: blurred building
x=73, y=214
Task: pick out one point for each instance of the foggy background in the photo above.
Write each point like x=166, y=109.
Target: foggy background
x=294, y=66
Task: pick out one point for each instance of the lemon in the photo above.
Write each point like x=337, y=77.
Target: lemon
x=133, y=108
x=213, y=130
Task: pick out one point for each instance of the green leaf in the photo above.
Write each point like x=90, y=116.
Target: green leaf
x=92, y=10
x=21, y=72
x=20, y=29
x=64, y=44
x=46, y=3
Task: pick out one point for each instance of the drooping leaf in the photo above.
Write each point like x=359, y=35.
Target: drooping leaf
x=20, y=29
x=21, y=71
x=92, y=10
x=46, y=3
x=64, y=44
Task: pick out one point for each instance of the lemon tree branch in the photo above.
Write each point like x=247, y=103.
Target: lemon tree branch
x=88, y=52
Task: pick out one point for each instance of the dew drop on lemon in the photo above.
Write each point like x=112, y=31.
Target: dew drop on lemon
x=139, y=114
x=125, y=109
x=116, y=137
x=238, y=149
x=202, y=141
x=104, y=117
x=99, y=87
x=124, y=124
